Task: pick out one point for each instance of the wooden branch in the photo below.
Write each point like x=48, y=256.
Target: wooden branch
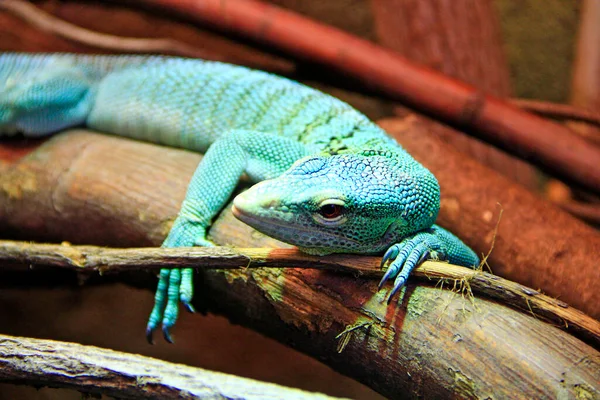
x=467, y=47
x=589, y=212
x=34, y=193
x=49, y=23
x=558, y=111
x=73, y=188
x=532, y=230
x=94, y=370
x=27, y=256
x=558, y=150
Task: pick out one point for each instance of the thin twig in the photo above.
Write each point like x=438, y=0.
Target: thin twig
x=95, y=370
x=49, y=23
x=559, y=111
x=52, y=24
x=586, y=211
x=27, y=256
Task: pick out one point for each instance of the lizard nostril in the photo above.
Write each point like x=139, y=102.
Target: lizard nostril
x=271, y=204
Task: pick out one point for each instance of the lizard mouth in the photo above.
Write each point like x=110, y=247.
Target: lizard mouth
x=268, y=227
x=257, y=223
x=239, y=214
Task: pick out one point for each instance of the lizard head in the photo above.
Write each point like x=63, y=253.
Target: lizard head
x=343, y=203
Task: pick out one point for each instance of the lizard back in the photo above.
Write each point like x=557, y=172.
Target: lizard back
x=177, y=102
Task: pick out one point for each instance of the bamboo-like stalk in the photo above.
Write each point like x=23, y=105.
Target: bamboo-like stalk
x=585, y=86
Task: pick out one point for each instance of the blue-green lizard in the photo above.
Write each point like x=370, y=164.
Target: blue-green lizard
x=334, y=182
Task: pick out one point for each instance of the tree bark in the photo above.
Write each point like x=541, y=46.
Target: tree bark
x=433, y=343
x=97, y=371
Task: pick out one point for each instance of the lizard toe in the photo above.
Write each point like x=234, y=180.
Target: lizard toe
x=167, y=334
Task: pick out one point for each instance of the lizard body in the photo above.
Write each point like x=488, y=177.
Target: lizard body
x=333, y=181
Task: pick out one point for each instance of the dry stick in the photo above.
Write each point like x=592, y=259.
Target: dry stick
x=557, y=150
x=558, y=110
x=589, y=212
x=49, y=23
x=25, y=256
x=95, y=370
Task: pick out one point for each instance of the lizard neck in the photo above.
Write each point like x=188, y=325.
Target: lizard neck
x=357, y=139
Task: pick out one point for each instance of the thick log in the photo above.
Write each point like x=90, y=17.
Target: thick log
x=433, y=343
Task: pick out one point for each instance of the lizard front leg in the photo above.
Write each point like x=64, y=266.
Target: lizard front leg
x=434, y=243
x=262, y=156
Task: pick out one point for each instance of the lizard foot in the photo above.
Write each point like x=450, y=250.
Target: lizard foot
x=406, y=255
x=174, y=285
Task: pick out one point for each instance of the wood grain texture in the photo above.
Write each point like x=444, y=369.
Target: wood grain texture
x=97, y=371
x=90, y=188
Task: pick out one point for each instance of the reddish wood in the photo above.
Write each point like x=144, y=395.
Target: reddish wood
x=492, y=119
x=560, y=111
x=585, y=87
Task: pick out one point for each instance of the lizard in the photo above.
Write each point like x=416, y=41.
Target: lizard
x=328, y=180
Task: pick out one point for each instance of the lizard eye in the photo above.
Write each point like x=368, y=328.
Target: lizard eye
x=331, y=212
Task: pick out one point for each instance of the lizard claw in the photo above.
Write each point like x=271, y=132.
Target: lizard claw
x=167, y=334
x=401, y=279
x=397, y=286
x=186, y=289
x=405, y=256
x=390, y=254
x=190, y=308
x=149, y=334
